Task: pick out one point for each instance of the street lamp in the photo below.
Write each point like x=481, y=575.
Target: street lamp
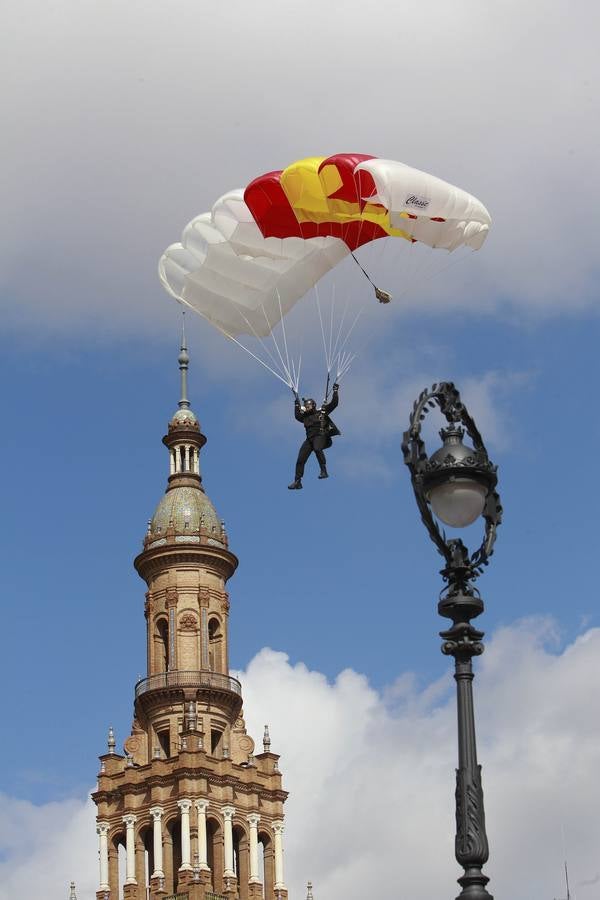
x=457, y=485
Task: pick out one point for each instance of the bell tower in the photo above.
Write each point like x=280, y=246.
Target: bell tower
x=196, y=812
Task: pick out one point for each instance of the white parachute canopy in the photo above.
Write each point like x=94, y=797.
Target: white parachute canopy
x=244, y=265
x=240, y=281
x=428, y=209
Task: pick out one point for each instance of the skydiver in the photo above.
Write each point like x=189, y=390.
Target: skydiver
x=319, y=432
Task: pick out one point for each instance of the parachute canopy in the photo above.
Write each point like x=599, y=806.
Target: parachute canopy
x=245, y=264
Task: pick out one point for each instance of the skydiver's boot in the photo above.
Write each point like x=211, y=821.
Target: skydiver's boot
x=296, y=485
x=323, y=473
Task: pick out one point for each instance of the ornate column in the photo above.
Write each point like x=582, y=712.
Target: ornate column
x=157, y=813
x=278, y=832
x=228, y=814
x=253, y=821
x=186, y=848
x=130, y=849
x=202, y=807
x=102, y=832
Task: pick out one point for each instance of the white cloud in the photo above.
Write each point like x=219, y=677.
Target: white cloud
x=43, y=847
x=104, y=164
x=371, y=808
x=371, y=776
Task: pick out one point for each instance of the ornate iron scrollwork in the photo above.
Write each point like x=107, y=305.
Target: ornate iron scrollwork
x=460, y=567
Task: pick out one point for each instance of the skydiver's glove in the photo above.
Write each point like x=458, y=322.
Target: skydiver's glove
x=336, y=387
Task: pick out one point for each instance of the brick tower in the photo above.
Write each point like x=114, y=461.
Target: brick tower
x=197, y=812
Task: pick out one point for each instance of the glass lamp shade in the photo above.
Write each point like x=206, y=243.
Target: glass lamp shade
x=458, y=503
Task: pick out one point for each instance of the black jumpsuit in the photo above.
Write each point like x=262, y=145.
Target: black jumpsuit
x=317, y=431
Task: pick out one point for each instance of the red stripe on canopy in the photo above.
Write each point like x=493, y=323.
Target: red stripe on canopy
x=275, y=216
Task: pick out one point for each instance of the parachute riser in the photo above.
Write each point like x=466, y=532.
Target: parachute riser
x=327, y=387
x=382, y=296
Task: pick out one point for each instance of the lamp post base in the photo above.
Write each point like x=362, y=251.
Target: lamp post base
x=473, y=886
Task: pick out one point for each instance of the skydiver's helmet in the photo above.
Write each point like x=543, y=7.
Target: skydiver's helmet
x=310, y=405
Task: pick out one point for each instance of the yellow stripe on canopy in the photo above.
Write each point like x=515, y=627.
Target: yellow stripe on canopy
x=309, y=191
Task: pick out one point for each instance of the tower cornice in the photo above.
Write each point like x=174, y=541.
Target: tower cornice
x=188, y=431
x=172, y=553
x=185, y=479
x=168, y=773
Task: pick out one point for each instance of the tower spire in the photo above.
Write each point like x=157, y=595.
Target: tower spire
x=184, y=438
x=184, y=361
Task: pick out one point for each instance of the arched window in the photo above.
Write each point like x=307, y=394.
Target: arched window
x=216, y=859
x=173, y=838
x=164, y=741
x=266, y=863
x=121, y=865
x=148, y=841
x=143, y=871
x=215, y=645
x=241, y=860
x=161, y=645
x=216, y=738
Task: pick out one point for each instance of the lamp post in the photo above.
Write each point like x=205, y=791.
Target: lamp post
x=457, y=485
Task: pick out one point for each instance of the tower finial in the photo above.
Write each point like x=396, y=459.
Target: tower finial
x=266, y=740
x=72, y=894
x=111, y=740
x=184, y=360
x=309, y=893
x=191, y=716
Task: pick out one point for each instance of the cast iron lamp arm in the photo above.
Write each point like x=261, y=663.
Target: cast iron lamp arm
x=415, y=457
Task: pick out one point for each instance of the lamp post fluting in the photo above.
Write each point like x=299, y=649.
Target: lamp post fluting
x=457, y=484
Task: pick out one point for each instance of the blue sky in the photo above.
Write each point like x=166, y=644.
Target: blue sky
x=340, y=575
x=121, y=127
